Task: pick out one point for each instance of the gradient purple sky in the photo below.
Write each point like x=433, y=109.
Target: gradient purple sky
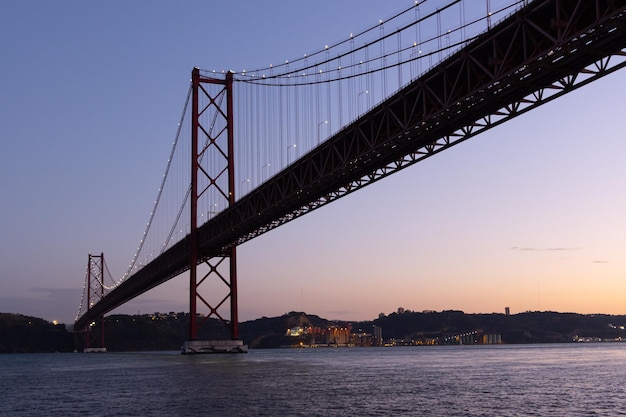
x=529, y=215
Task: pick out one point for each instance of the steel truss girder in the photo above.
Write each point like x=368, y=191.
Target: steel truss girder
x=536, y=55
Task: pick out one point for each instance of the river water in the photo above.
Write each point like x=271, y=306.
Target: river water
x=515, y=380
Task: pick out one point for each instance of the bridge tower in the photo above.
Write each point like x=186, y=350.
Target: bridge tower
x=212, y=190
x=94, y=332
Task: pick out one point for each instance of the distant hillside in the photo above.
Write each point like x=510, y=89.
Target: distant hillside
x=168, y=331
x=528, y=327
x=20, y=333
x=271, y=332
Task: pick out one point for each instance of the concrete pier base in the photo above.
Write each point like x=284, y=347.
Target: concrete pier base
x=95, y=350
x=214, y=346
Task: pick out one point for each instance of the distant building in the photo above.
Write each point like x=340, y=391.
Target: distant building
x=507, y=311
x=400, y=310
x=295, y=331
x=338, y=335
x=362, y=339
x=491, y=339
x=377, y=335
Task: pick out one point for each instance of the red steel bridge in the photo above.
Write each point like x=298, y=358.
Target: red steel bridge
x=262, y=147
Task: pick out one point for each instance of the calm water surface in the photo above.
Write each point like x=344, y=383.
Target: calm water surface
x=529, y=380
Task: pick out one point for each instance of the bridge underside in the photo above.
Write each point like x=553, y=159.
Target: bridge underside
x=540, y=53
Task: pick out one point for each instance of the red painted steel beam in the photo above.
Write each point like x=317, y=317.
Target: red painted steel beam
x=193, y=235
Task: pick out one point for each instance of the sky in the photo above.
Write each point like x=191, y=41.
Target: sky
x=529, y=215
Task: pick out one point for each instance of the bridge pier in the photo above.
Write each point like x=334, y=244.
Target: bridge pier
x=214, y=346
x=94, y=333
x=212, y=190
x=95, y=350
x=94, y=337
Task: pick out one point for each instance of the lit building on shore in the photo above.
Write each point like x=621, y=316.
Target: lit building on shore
x=377, y=336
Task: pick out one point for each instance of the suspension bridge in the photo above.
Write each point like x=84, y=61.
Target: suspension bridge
x=257, y=148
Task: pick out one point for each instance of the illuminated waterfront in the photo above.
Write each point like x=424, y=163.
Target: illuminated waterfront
x=513, y=380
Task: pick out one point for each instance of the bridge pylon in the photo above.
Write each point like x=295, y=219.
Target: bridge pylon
x=94, y=332
x=212, y=191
